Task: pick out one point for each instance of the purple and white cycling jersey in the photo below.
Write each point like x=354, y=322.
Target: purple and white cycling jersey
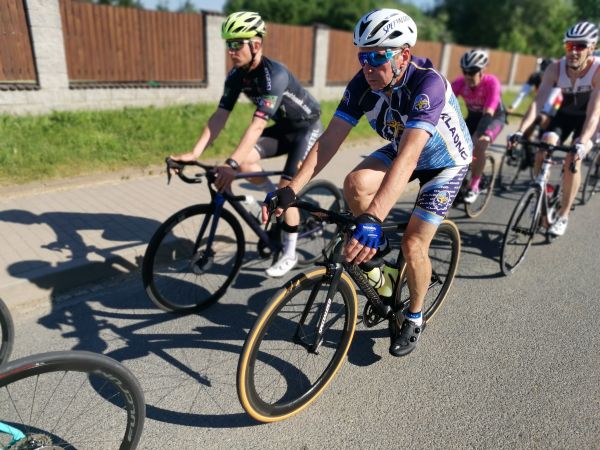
x=423, y=99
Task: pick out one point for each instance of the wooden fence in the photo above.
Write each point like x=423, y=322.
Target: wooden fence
x=291, y=45
x=17, y=64
x=106, y=44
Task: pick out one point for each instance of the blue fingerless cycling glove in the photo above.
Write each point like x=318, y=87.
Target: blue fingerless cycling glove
x=368, y=231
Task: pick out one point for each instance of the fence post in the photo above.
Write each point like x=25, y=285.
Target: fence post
x=514, y=62
x=215, y=56
x=48, y=44
x=320, y=58
x=445, y=63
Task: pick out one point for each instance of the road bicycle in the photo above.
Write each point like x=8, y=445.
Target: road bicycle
x=486, y=187
x=70, y=399
x=538, y=208
x=590, y=182
x=301, y=338
x=195, y=255
x=7, y=333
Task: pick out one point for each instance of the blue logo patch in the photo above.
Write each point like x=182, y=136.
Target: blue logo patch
x=421, y=103
x=441, y=200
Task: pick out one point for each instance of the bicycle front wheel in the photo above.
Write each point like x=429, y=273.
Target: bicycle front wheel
x=7, y=333
x=314, y=235
x=591, y=177
x=180, y=271
x=444, y=254
x=520, y=230
x=71, y=399
x=486, y=187
x=284, y=365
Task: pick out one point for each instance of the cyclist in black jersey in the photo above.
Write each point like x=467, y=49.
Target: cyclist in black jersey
x=578, y=76
x=278, y=96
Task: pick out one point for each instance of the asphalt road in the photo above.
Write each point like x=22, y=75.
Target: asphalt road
x=507, y=363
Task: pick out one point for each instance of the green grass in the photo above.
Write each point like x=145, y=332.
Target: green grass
x=68, y=144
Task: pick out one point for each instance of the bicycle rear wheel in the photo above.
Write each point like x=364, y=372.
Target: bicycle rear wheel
x=7, y=333
x=486, y=187
x=278, y=374
x=591, y=177
x=314, y=235
x=71, y=399
x=520, y=230
x=179, y=272
x=444, y=253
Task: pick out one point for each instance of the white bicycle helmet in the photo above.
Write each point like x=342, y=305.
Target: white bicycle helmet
x=474, y=59
x=389, y=28
x=582, y=32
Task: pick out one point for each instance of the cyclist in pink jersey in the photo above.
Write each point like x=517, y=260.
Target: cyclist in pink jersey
x=482, y=95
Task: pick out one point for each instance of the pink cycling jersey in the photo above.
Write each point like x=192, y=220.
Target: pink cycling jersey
x=486, y=95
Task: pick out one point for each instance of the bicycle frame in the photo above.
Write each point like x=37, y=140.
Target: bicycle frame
x=335, y=264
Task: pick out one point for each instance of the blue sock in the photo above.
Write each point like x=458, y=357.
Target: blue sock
x=417, y=317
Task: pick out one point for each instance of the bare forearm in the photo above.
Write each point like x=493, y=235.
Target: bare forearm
x=249, y=140
x=393, y=185
x=210, y=133
x=317, y=159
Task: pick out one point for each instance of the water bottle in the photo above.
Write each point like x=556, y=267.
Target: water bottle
x=254, y=207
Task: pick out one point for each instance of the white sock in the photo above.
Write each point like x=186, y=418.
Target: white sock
x=289, y=244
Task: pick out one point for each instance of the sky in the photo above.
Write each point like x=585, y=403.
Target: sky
x=217, y=5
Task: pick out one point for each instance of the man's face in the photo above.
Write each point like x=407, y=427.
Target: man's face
x=577, y=53
x=239, y=51
x=376, y=64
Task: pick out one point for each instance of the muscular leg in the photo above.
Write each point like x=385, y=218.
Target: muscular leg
x=250, y=164
x=481, y=145
x=550, y=138
x=415, y=249
x=361, y=185
x=571, y=182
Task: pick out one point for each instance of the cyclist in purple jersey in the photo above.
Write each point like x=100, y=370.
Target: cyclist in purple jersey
x=482, y=94
x=410, y=104
x=578, y=76
x=278, y=96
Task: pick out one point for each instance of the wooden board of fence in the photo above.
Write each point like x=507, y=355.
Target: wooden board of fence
x=291, y=45
x=106, y=44
x=16, y=53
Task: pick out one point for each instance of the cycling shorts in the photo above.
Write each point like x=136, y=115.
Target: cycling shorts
x=438, y=187
x=477, y=128
x=277, y=140
x=565, y=124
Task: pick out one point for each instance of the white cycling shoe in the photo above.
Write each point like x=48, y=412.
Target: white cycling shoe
x=559, y=227
x=471, y=196
x=282, y=266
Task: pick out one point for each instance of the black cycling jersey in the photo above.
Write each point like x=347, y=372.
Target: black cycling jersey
x=276, y=93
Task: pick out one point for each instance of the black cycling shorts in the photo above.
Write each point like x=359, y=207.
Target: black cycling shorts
x=565, y=124
x=277, y=140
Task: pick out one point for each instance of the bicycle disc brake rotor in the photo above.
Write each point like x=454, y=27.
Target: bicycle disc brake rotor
x=314, y=226
x=201, y=263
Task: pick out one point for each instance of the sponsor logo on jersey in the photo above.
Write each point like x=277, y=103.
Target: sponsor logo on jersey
x=268, y=101
x=460, y=146
x=421, y=103
x=346, y=97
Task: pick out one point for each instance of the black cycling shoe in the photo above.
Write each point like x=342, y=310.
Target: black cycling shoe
x=405, y=340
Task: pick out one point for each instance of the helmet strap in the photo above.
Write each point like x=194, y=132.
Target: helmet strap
x=396, y=73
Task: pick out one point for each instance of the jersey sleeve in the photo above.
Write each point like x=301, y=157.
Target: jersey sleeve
x=349, y=108
x=428, y=101
x=232, y=90
x=457, y=86
x=275, y=82
x=492, y=99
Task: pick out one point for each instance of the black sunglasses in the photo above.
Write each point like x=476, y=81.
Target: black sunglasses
x=471, y=72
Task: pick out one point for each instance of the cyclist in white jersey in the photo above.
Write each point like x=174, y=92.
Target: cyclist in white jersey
x=578, y=76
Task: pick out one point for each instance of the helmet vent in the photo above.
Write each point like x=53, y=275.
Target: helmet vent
x=379, y=26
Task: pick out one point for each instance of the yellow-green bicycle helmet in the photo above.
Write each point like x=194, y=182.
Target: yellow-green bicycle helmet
x=243, y=25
